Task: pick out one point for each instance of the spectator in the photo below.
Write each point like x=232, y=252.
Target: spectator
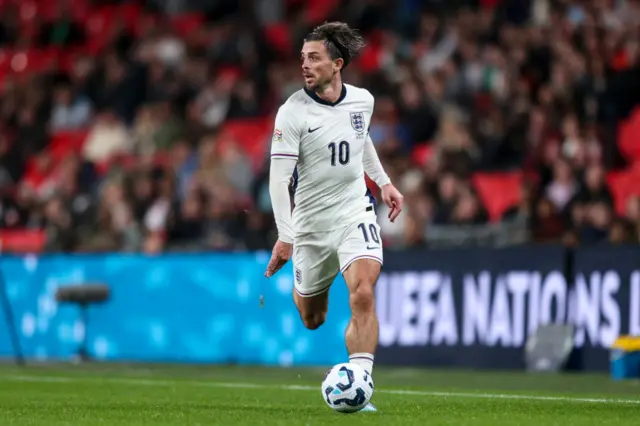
x=156, y=216
x=145, y=127
x=237, y=168
x=108, y=137
x=39, y=180
x=415, y=113
x=455, y=150
x=468, y=211
x=10, y=164
x=185, y=164
x=31, y=132
x=61, y=29
x=12, y=215
x=170, y=127
x=213, y=102
x=526, y=204
x=256, y=235
x=70, y=111
x=244, y=102
x=598, y=221
x=187, y=223
x=632, y=214
x=621, y=232
x=548, y=225
x=447, y=195
x=563, y=186
x=595, y=188
x=58, y=226
x=114, y=224
x=220, y=226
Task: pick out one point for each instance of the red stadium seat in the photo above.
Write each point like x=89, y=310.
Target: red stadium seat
x=5, y=59
x=100, y=21
x=319, y=10
x=47, y=10
x=251, y=134
x=130, y=13
x=22, y=241
x=29, y=61
x=369, y=59
x=279, y=36
x=498, y=191
x=629, y=137
x=79, y=9
x=28, y=11
x=187, y=23
x=63, y=143
x=422, y=154
x=489, y=4
x=146, y=23
x=622, y=185
x=68, y=58
x=99, y=26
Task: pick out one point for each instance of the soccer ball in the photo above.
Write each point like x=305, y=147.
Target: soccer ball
x=347, y=388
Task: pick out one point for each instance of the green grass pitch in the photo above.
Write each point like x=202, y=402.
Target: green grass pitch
x=132, y=395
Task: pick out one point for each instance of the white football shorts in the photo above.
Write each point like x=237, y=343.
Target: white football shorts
x=319, y=256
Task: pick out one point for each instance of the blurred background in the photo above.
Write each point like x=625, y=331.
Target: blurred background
x=143, y=126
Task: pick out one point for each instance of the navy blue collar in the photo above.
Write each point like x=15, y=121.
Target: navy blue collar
x=313, y=95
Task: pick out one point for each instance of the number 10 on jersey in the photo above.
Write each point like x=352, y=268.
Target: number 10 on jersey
x=342, y=151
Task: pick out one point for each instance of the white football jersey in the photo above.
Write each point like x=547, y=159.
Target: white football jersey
x=327, y=139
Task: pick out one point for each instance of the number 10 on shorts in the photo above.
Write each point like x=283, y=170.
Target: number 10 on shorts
x=369, y=233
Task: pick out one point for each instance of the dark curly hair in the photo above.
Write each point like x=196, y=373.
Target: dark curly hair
x=341, y=40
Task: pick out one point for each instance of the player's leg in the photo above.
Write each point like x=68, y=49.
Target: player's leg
x=360, y=255
x=313, y=309
x=362, y=332
x=315, y=268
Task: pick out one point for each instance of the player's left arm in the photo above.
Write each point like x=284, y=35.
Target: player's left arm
x=373, y=168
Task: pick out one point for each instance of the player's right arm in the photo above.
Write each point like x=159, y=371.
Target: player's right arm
x=284, y=157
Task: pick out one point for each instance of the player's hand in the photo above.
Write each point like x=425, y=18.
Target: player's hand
x=279, y=256
x=393, y=199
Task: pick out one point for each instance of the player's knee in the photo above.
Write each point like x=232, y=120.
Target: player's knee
x=362, y=300
x=314, y=320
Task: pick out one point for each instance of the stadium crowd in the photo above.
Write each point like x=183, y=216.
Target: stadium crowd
x=537, y=87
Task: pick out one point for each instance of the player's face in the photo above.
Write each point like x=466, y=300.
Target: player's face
x=317, y=67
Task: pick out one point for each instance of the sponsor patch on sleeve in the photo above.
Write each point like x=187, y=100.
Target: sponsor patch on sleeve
x=277, y=135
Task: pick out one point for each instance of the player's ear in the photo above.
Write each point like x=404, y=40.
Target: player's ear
x=337, y=65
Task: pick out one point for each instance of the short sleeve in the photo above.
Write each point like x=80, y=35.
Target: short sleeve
x=286, y=135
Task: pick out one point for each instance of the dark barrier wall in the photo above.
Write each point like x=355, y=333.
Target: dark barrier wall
x=475, y=308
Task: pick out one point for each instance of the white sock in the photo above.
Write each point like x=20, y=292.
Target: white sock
x=364, y=360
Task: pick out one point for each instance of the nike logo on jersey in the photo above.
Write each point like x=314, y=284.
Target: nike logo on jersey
x=372, y=248
x=313, y=130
